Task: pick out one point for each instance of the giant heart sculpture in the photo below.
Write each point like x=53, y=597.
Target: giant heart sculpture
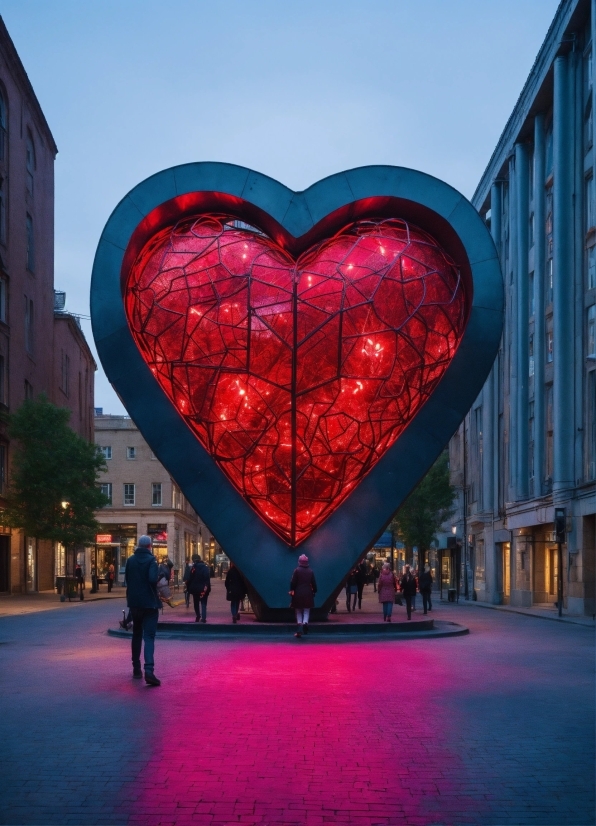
x=296, y=360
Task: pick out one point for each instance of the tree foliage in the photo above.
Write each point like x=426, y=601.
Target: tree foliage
x=426, y=508
x=53, y=489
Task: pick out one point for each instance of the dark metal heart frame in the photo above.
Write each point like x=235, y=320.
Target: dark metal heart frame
x=296, y=220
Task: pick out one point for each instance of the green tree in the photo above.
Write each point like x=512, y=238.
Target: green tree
x=53, y=491
x=426, y=508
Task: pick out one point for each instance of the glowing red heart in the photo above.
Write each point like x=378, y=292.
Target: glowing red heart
x=295, y=374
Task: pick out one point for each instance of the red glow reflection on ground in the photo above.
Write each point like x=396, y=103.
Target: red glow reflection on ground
x=306, y=737
x=296, y=376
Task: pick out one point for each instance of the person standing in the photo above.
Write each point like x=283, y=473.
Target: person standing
x=407, y=586
x=80, y=579
x=235, y=590
x=141, y=596
x=362, y=571
x=199, y=585
x=352, y=589
x=187, y=568
x=110, y=576
x=425, y=584
x=386, y=587
x=303, y=588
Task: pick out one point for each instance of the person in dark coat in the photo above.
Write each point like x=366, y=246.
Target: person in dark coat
x=110, y=576
x=199, y=585
x=352, y=589
x=235, y=590
x=80, y=579
x=362, y=571
x=407, y=586
x=425, y=584
x=141, y=596
x=303, y=587
x=187, y=568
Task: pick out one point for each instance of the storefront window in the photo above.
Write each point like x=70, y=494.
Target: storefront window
x=114, y=544
x=479, y=574
x=159, y=534
x=59, y=560
x=31, y=564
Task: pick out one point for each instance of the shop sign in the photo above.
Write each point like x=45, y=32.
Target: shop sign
x=103, y=538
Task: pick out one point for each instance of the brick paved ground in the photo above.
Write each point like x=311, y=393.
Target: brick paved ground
x=493, y=728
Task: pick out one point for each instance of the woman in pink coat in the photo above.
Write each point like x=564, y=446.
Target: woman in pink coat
x=387, y=586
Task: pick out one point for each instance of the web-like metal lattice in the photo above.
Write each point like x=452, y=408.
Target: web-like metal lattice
x=295, y=375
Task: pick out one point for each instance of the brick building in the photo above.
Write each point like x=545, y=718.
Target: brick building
x=36, y=345
x=144, y=499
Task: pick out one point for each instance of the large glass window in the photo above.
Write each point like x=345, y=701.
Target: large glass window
x=156, y=499
x=3, y=124
x=129, y=493
x=30, y=244
x=591, y=331
x=30, y=161
x=106, y=489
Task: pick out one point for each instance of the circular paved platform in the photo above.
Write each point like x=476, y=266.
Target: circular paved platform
x=318, y=632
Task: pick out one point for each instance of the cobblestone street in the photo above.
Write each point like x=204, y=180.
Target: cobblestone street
x=492, y=728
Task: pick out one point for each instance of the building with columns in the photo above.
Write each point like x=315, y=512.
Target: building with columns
x=528, y=445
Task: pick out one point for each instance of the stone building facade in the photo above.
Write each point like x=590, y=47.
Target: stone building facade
x=144, y=500
x=30, y=331
x=528, y=444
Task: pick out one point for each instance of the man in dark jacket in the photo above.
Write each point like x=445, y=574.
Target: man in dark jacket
x=141, y=597
x=187, y=568
x=199, y=585
x=425, y=584
x=407, y=585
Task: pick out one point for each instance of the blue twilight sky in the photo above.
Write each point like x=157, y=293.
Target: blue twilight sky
x=296, y=90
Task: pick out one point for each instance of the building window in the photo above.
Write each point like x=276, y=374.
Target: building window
x=65, y=386
x=3, y=122
x=591, y=427
x=28, y=390
x=549, y=345
x=106, y=489
x=592, y=331
x=591, y=255
x=531, y=356
x=106, y=450
x=30, y=162
x=156, y=494
x=531, y=440
x=131, y=453
x=549, y=432
x=480, y=562
x=589, y=202
x=531, y=306
x=129, y=494
x=176, y=497
x=29, y=324
x=30, y=244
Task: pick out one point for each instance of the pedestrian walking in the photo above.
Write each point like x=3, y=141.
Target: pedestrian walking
x=199, y=585
x=80, y=579
x=407, y=586
x=235, y=590
x=303, y=588
x=415, y=575
x=387, y=586
x=185, y=576
x=375, y=576
x=425, y=584
x=361, y=580
x=110, y=576
x=140, y=575
x=352, y=589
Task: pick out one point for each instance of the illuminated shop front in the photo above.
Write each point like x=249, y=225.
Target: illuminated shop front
x=159, y=535
x=113, y=545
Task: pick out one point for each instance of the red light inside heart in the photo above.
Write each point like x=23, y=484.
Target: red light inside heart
x=295, y=375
